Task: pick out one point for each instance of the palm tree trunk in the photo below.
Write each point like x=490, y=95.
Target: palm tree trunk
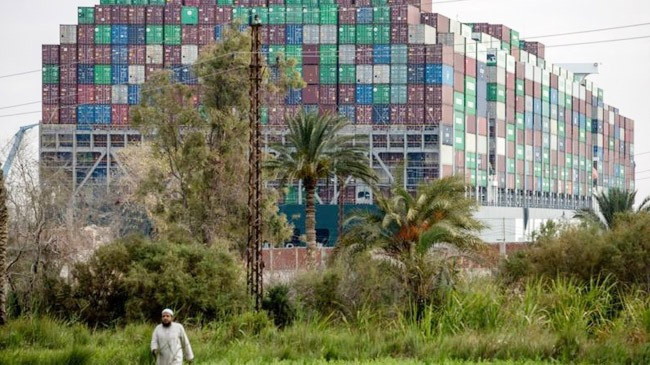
x=341, y=211
x=310, y=220
x=3, y=250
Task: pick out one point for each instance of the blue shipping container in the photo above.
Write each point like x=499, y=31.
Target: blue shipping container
x=415, y=74
x=380, y=114
x=218, y=30
x=528, y=117
x=348, y=111
x=537, y=106
x=137, y=34
x=553, y=96
x=188, y=77
x=293, y=34
x=85, y=114
x=439, y=74
x=102, y=114
x=120, y=34
x=582, y=121
x=381, y=54
x=364, y=15
x=576, y=119
x=86, y=74
x=481, y=73
x=310, y=108
x=134, y=94
x=120, y=54
x=119, y=74
x=364, y=94
x=294, y=97
x=177, y=73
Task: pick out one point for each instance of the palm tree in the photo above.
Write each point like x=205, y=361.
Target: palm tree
x=315, y=150
x=3, y=249
x=610, y=204
x=418, y=236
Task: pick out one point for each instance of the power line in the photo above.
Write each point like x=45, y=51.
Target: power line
x=600, y=41
x=588, y=31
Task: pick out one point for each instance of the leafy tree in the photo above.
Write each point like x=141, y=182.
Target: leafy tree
x=4, y=219
x=316, y=149
x=412, y=233
x=610, y=204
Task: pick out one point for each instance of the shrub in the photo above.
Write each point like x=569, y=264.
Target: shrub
x=280, y=306
x=133, y=279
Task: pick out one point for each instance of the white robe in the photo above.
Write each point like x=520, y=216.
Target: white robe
x=172, y=343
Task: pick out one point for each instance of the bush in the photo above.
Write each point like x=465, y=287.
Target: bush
x=280, y=306
x=133, y=279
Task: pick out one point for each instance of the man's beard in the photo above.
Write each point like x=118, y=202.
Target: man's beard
x=166, y=324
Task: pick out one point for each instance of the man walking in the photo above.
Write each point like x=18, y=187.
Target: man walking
x=169, y=342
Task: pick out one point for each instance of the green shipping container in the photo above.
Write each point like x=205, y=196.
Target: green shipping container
x=560, y=128
x=521, y=124
x=347, y=74
x=510, y=165
x=172, y=34
x=459, y=121
x=537, y=168
x=496, y=92
x=328, y=54
x=520, y=87
x=107, y=2
x=123, y=2
x=189, y=15
x=347, y=34
x=310, y=3
x=546, y=155
x=294, y=52
x=398, y=94
x=470, y=85
x=51, y=74
x=294, y=14
x=365, y=34
x=311, y=15
x=262, y=14
x=162, y=2
x=329, y=14
x=459, y=101
x=398, y=53
x=381, y=15
x=459, y=141
x=381, y=94
x=381, y=34
x=293, y=2
x=140, y=2
x=482, y=175
x=546, y=93
x=241, y=15
x=470, y=160
x=510, y=132
x=86, y=15
x=102, y=74
x=505, y=46
x=327, y=74
x=277, y=14
x=154, y=34
x=102, y=34
x=222, y=2
x=470, y=104
x=275, y=50
x=379, y=2
x=520, y=152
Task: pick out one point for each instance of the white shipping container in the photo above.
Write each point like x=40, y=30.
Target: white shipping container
x=459, y=43
x=532, y=59
x=546, y=78
x=510, y=64
x=154, y=54
x=501, y=110
x=481, y=144
x=136, y=74
x=381, y=74
x=120, y=94
x=470, y=48
x=530, y=72
x=446, y=39
x=470, y=142
x=421, y=34
x=466, y=31
x=398, y=74
x=189, y=54
x=447, y=155
x=481, y=53
x=328, y=34
x=364, y=74
x=311, y=34
x=553, y=127
x=537, y=74
x=454, y=26
x=561, y=81
x=528, y=102
x=347, y=53
x=583, y=93
x=501, y=146
x=553, y=142
x=68, y=34
x=529, y=153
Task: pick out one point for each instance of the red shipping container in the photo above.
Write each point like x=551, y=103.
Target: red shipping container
x=276, y=115
x=459, y=62
x=470, y=67
x=103, y=94
x=406, y=14
x=364, y=55
x=529, y=137
x=276, y=2
x=347, y=94
x=86, y=94
x=510, y=81
x=510, y=149
x=398, y=114
x=68, y=54
x=137, y=54
x=439, y=94
x=537, y=90
x=416, y=54
x=520, y=166
x=348, y=15
x=137, y=15
x=172, y=14
x=102, y=14
x=155, y=15
x=501, y=163
x=103, y=54
x=415, y=115
x=68, y=114
x=520, y=136
x=363, y=2
x=470, y=124
x=223, y=15
x=399, y=33
x=482, y=126
x=310, y=54
x=50, y=94
x=415, y=94
x=172, y=55
x=86, y=34
x=68, y=74
x=439, y=53
x=516, y=54
x=560, y=159
x=174, y=2
x=190, y=34
x=310, y=94
x=86, y=54
x=50, y=54
x=520, y=104
x=327, y=95
x=440, y=114
x=438, y=21
x=119, y=114
x=511, y=181
x=276, y=34
x=310, y=74
x=206, y=34
x=119, y=14
x=528, y=87
x=510, y=115
x=264, y=35
x=363, y=114
x=150, y=69
x=68, y=94
x=460, y=160
x=510, y=97
x=459, y=82
x=192, y=2
x=207, y=14
x=501, y=128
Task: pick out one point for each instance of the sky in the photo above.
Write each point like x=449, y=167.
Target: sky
x=624, y=66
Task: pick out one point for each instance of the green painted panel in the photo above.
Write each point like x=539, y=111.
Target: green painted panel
x=328, y=54
x=347, y=74
x=102, y=34
x=172, y=34
x=365, y=34
x=327, y=74
x=189, y=15
x=277, y=14
x=154, y=34
x=86, y=15
x=329, y=14
x=381, y=34
x=381, y=94
x=51, y=74
x=294, y=52
x=347, y=34
x=103, y=74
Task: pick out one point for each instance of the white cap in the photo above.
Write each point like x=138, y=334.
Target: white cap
x=168, y=311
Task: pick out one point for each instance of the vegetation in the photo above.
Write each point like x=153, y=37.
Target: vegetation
x=612, y=203
x=4, y=221
x=316, y=150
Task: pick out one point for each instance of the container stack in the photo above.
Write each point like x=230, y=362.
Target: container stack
x=468, y=99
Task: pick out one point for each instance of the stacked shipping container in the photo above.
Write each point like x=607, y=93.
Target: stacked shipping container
x=522, y=131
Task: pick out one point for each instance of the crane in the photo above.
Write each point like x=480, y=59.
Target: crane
x=17, y=140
